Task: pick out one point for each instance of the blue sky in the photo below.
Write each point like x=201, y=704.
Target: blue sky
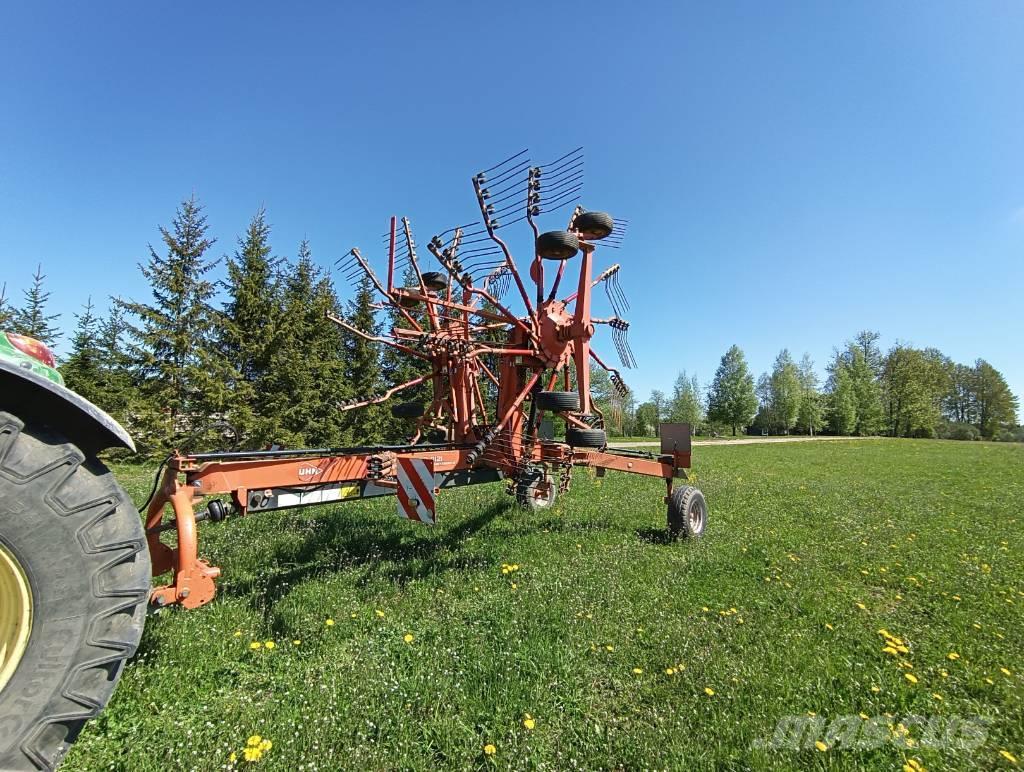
x=792, y=172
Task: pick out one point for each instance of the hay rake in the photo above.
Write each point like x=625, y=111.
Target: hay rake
x=497, y=369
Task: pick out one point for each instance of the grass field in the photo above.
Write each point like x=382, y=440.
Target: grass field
x=402, y=647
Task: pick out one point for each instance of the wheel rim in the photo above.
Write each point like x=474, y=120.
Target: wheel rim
x=696, y=516
x=15, y=614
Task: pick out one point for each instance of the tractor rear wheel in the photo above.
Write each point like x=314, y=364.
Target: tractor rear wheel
x=558, y=245
x=74, y=580
x=687, y=512
x=594, y=225
x=536, y=490
x=586, y=438
x=434, y=280
x=557, y=401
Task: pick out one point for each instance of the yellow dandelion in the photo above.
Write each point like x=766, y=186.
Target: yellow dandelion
x=504, y=570
x=529, y=723
x=296, y=642
x=828, y=626
x=330, y=622
x=379, y=613
x=609, y=647
x=638, y=670
x=938, y=696
x=408, y=638
x=253, y=754
x=709, y=691
x=953, y=655
x=910, y=677
x=1005, y=671
x=1008, y=756
x=875, y=689
x=233, y=757
x=254, y=740
x=270, y=644
x=864, y=716
x=670, y=671
x=255, y=645
x=889, y=650
x=861, y=606
x=944, y=673
x=265, y=745
x=820, y=746
x=490, y=750
x=976, y=626
x=238, y=633
x=989, y=680
x=515, y=586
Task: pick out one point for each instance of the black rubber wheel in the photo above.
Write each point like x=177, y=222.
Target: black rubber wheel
x=557, y=401
x=594, y=225
x=407, y=410
x=535, y=490
x=436, y=281
x=77, y=543
x=586, y=438
x=687, y=512
x=558, y=245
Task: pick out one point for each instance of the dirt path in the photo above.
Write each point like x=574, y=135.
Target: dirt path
x=741, y=441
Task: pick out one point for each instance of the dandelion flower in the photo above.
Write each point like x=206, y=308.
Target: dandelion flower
x=238, y=633
x=296, y=642
x=255, y=645
x=265, y=745
x=670, y=671
x=529, y=723
x=875, y=689
x=889, y=650
x=828, y=626
x=1008, y=756
x=233, y=757
x=490, y=750
x=1005, y=671
x=953, y=655
x=638, y=670
x=329, y=623
x=379, y=613
x=253, y=754
x=938, y=696
x=864, y=716
x=270, y=644
x=820, y=746
x=254, y=740
x=910, y=677
x=609, y=647
x=709, y=691
x=515, y=586
x=861, y=606
x=408, y=638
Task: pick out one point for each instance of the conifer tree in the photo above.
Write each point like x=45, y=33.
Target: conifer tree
x=362, y=367
x=83, y=369
x=177, y=373
x=247, y=333
x=31, y=319
x=398, y=367
x=6, y=312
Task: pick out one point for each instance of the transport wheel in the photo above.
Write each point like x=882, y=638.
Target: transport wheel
x=687, y=512
x=536, y=490
x=594, y=225
x=407, y=410
x=558, y=245
x=557, y=401
x=433, y=280
x=74, y=582
x=586, y=438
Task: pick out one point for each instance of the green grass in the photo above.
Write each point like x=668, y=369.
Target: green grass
x=815, y=546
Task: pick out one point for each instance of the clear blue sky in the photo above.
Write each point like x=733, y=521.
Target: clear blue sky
x=793, y=172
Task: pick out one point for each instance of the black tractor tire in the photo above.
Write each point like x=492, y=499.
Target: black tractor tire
x=594, y=225
x=558, y=245
x=536, y=490
x=557, y=401
x=80, y=546
x=586, y=438
x=433, y=280
x=687, y=512
x=407, y=410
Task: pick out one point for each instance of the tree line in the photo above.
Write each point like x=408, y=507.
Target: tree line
x=250, y=359
x=905, y=392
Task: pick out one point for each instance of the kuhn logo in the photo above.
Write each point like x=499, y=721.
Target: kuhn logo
x=309, y=471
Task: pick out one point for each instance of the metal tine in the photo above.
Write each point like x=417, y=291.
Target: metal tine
x=507, y=207
x=515, y=186
x=543, y=179
x=549, y=209
x=613, y=286
x=516, y=192
x=510, y=158
x=556, y=190
x=550, y=201
x=559, y=160
x=501, y=179
x=480, y=251
x=497, y=224
x=452, y=230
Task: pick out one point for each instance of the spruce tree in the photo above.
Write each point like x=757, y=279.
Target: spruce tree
x=247, y=333
x=362, y=368
x=83, y=369
x=31, y=319
x=732, y=400
x=6, y=312
x=177, y=373
x=117, y=387
x=398, y=367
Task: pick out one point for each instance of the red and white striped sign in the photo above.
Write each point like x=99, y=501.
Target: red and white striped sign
x=416, y=489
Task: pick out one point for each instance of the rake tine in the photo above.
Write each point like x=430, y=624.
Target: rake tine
x=552, y=177
x=559, y=160
x=502, y=178
x=510, y=158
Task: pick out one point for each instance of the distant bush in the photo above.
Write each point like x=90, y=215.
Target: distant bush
x=1016, y=434
x=958, y=431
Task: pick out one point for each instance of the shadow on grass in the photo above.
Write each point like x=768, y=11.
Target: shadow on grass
x=340, y=543
x=656, y=536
